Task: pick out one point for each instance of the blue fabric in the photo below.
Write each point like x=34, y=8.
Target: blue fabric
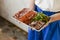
x=51, y=32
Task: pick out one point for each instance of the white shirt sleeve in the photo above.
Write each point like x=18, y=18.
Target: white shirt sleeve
x=48, y=5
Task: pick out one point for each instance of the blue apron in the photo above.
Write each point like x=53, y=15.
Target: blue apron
x=51, y=32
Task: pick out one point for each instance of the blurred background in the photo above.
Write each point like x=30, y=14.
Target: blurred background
x=11, y=29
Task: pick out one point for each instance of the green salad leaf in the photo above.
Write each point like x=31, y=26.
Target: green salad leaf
x=41, y=16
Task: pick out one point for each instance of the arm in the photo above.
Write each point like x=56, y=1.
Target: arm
x=31, y=5
x=55, y=17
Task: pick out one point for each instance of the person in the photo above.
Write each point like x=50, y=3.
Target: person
x=52, y=28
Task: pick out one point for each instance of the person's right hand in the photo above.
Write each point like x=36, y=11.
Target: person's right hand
x=53, y=18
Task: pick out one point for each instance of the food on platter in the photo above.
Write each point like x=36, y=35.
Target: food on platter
x=32, y=18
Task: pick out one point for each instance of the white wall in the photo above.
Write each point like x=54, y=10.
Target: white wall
x=10, y=7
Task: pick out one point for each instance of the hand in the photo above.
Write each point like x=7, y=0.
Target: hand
x=31, y=4
x=53, y=18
